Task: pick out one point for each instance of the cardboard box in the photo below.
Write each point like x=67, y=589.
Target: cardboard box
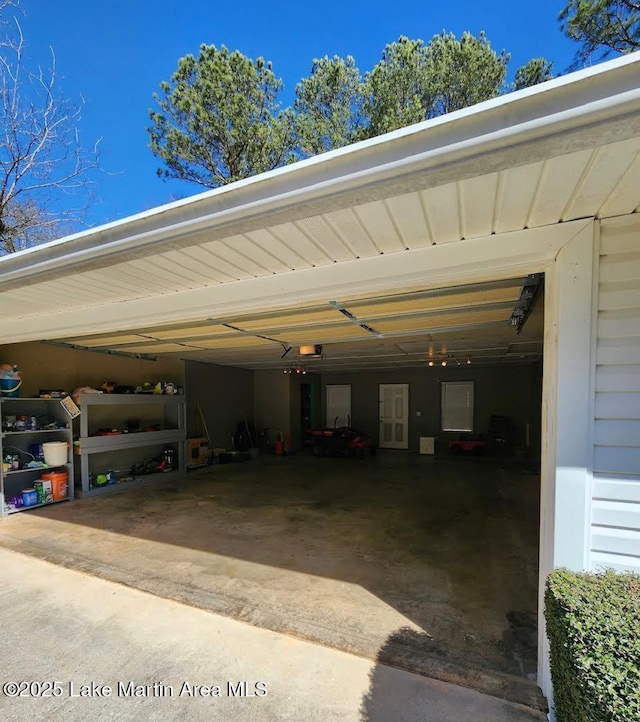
x=197, y=452
x=44, y=491
x=427, y=445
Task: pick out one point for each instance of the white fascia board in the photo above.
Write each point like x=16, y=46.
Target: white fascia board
x=491, y=258
x=584, y=109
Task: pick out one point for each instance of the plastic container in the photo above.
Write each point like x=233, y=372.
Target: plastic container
x=36, y=451
x=10, y=387
x=56, y=453
x=15, y=502
x=29, y=497
x=59, y=484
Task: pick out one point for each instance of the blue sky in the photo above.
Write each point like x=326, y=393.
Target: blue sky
x=116, y=53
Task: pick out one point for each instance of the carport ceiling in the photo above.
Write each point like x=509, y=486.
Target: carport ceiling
x=451, y=324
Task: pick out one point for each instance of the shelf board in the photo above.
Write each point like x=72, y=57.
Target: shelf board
x=35, y=468
x=35, y=506
x=124, y=399
x=30, y=398
x=97, y=444
x=142, y=480
x=33, y=431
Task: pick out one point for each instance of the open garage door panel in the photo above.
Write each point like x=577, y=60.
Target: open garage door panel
x=477, y=321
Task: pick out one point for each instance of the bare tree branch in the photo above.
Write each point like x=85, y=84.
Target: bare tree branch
x=45, y=171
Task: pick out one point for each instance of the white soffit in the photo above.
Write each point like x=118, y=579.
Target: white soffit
x=594, y=183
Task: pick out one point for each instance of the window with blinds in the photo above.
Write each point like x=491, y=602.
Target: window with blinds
x=457, y=405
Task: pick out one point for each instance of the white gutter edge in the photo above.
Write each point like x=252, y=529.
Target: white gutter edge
x=588, y=96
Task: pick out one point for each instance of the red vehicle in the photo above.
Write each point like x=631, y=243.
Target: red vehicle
x=340, y=441
x=468, y=444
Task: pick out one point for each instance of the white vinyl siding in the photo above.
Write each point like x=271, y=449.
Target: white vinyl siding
x=457, y=405
x=615, y=510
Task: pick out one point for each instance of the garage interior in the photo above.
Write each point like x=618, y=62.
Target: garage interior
x=427, y=562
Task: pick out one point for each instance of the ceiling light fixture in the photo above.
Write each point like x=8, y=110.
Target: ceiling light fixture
x=294, y=370
x=311, y=351
x=445, y=359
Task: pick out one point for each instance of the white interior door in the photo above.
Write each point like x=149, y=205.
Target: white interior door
x=338, y=405
x=394, y=416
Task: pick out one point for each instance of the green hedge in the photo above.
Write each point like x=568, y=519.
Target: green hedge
x=593, y=625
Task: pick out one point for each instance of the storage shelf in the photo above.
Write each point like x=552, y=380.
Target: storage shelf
x=35, y=506
x=20, y=439
x=169, y=411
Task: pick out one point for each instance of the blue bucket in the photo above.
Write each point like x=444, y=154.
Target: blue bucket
x=29, y=497
x=10, y=387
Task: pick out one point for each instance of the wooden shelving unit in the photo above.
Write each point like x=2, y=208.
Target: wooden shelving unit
x=168, y=411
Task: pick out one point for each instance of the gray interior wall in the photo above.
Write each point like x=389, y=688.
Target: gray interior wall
x=502, y=391
x=45, y=366
x=225, y=394
x=277, y=403
x=272, y=402
x=272, y=399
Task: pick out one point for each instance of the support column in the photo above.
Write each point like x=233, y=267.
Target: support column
x=567, y=418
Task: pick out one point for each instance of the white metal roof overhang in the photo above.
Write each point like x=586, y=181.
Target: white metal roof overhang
x=231, y=274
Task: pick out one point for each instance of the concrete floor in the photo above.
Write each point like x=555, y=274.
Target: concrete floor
x=77, y=630
x=423, y=563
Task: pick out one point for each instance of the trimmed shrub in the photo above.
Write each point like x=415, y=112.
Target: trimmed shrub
x=593, y=625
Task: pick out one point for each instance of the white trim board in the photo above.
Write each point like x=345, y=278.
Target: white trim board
x=565, y=495
x=490, y=258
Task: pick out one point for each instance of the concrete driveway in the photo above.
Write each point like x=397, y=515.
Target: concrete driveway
x=157, y=657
